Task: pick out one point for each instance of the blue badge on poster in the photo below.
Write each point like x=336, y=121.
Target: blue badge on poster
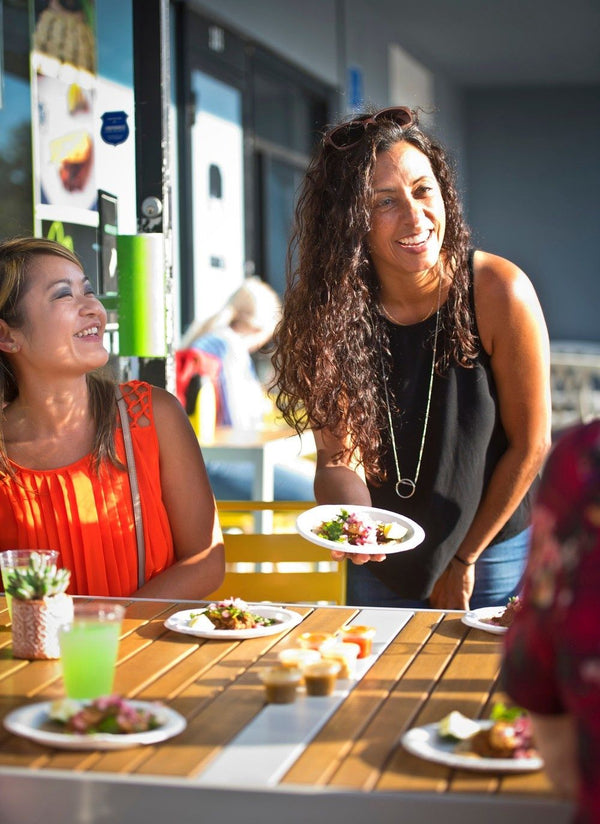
x=114, y=128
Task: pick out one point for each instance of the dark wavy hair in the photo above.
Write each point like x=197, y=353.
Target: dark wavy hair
x=16, y=256
x=328, y=372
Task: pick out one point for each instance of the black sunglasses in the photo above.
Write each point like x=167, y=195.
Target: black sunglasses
x=347, y=135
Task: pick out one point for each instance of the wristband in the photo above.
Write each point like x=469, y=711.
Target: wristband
x=462, y=561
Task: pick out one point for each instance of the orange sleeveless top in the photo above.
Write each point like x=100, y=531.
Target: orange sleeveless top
x=89, y=517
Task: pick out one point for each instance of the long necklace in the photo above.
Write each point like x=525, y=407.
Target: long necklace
x=405, y=487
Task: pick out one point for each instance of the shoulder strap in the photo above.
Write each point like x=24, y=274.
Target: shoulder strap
x=133, y=483
x=472, y=289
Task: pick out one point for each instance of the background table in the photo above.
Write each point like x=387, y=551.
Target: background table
x=263, y=448
x=575, y=382
x=340, y=760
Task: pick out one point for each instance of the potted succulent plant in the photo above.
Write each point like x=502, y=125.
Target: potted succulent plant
x=40, y=606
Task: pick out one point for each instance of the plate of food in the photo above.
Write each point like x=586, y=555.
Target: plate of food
x=490, y=746
x=108, y=723
x=361, y=529
x=233, y=619
x=493, y=619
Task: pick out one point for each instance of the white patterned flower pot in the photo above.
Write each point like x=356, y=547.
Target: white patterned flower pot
x=35, y=625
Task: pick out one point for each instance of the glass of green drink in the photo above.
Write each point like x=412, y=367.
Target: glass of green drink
x=12, y=559
x=88, y=648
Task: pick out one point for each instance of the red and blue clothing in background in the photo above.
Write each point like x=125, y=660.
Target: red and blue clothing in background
x=552, y=652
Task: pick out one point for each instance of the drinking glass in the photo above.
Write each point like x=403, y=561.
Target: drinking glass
x=12, y=559
x=88, y=648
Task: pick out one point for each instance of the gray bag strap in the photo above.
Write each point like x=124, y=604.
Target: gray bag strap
x=133, y=483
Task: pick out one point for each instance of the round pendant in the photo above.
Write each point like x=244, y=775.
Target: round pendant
x=409, y=488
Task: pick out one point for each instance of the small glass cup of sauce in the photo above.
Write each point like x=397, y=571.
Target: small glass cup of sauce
x=320, y=678
x=363, y=636
x=281, y=684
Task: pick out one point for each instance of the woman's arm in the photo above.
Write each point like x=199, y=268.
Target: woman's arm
x=555, y=737
x=337, y=482
x=190, y=504
x=513, y=332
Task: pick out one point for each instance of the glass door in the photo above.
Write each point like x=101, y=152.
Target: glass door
x=217, y=192
x=247, y=124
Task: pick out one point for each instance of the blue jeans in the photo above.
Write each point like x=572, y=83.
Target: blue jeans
x=233, y=482
x=498, y=573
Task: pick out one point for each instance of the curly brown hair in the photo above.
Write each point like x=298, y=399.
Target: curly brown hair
x=327, y=346
x=16, y=255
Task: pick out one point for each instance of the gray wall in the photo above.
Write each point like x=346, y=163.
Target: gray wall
x=533, y=178
x=324, y=37
x=527, y=158
x=303, y=33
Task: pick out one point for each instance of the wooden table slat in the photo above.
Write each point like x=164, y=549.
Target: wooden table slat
x=322, y=758
x=377, y=758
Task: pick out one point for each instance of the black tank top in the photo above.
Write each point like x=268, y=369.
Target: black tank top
x=464, y=442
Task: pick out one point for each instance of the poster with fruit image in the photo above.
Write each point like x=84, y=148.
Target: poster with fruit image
x=65, y=30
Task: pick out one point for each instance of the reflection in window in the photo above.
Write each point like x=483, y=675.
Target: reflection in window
x=287, y=114
x=16, y=190
x=215, y=182
x=281, y=182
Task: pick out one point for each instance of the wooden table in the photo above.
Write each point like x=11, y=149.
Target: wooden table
x=326, y=759
x=263, y=448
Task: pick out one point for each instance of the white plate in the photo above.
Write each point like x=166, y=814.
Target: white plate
x=307, y=521
x=286, y=619
x=32, y=722
x=474, y=618
x=425, y=743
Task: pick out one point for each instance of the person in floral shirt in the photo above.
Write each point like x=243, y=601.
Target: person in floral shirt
x=551, y=662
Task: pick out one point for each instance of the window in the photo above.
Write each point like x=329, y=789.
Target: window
x=16, y=188
x=282, y=112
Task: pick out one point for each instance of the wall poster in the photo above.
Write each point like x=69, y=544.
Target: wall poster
x=63, y=118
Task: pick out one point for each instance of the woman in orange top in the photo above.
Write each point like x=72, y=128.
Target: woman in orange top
x=63, y=473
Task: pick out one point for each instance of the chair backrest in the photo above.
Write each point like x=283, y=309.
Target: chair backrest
x=279, y=567
x=196, y=380
x=203, y=417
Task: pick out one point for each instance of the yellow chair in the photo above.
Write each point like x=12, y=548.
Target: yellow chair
x=204, y=415
x=279, y=567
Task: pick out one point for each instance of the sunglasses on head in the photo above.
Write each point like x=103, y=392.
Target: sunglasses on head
x=347, y=135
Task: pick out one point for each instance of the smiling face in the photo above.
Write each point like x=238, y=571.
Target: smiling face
x=63, y=319
x=408, y=218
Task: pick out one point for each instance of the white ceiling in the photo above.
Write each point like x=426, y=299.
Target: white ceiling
x=501, y=42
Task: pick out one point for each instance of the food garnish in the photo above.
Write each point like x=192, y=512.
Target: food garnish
x=348, y=528
x=232, y=613
x=108, y=714
x=457, y=727
x=63, y=709
x=501, y=712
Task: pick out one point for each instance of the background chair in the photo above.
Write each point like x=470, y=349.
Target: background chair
x=196, y=388
x=281, y=567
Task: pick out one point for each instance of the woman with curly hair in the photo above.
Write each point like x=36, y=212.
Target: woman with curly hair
x=421, y=365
